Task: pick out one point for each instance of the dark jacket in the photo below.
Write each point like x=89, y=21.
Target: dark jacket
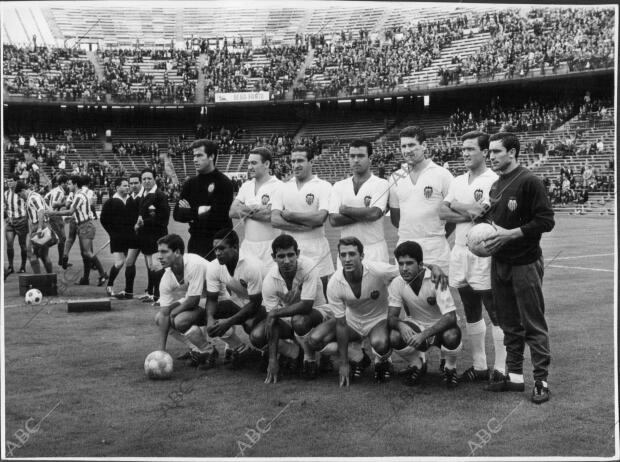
x=155, y=212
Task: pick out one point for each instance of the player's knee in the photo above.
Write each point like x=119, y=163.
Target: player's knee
x=381, y=344
x=315, y=342
x=301, y=324
x=451, y=338
x=159, y=318
x=257, y=337
x=396, y=341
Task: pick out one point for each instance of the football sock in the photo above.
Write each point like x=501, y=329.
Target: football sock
x=181, y=338
x=157, y=275
x=34, y=264
x=97, y=263
x=195, y=335
x=48, y=266
x=516, y=378
x=24, y=256
x=86, y=262
x=288, y=348
x=231, y=339
x=113, y=273
x=355, y=352
x=11, y=255
x=309, y=355
x=412, y=356
x=130, y=276
x=381, y=358
x=476, y=332
x=451, y=356
x=61, y=251
x=500, y=349
x=149, y=286
x=330, y=349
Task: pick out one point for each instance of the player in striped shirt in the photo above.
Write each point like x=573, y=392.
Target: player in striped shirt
x=35, y=208
x=16, y=222
x=80, y=208
x=56, y=200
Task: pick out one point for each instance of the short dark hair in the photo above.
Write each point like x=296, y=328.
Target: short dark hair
x=350, y=240
x=75, y=179
x=413, y=131
x=264, y=153
x=362, y=144
x=173, y=241
x=14, y=177
x=229, y=235
x=481, y=138
x=134, y=175
x=85, y=180
x=119, y=181
x=147, y=170
x=284, y=241
x=409, y=249
x=62, y=179
x=509, y=141
x=210, y=147
x=303, y=148
x=20, y=186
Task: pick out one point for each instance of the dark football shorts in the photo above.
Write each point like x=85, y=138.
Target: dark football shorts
x=17, y=226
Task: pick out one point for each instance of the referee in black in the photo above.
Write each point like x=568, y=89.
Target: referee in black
x=205, y=200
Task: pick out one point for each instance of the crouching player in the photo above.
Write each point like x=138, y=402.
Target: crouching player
x=243, y=280
x=294, y=301
x=181, y=287
x=430, y=316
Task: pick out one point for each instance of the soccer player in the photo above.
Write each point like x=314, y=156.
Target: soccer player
x=301, y=208
x=57, y=201
x=205, y=200
x=253, y=206
x=153, y=216
x=430, y=316
x=415, y=196
x=294, y=301
x=80, y=208
x=181, y=287
x=16, y=221
x=116, y=219
x=242, y=278
x=35, y=207
x=467, y=199
x=358, y=203
x=132, y=205
x=521, y=212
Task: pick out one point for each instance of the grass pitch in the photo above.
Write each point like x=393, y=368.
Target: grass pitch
x=83, y=375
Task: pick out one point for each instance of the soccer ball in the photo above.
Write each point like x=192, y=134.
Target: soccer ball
x=476, y=237
x=33, y=297
x=158, y=365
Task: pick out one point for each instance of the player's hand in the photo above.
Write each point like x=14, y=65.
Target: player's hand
x=407, y=333
x=343, y=209
x=272, y=371
x=477, y=209
x=290, y=297
x=496, y=242
x=417, y=341
x=438, y=277
x=218, y=328
x=344, y=370
x=183, y=204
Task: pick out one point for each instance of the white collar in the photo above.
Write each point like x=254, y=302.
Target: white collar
x=151, y=191
x=118, y=196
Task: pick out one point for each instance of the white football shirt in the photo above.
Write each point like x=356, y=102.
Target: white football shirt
x=193, y=282
x=247, y=279
x=250, y=196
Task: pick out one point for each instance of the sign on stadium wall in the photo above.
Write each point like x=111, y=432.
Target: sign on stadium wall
x=241, y=97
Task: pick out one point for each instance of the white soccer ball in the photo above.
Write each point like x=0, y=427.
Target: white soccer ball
x=33, y=297
x=476, y=237
x=158, y=365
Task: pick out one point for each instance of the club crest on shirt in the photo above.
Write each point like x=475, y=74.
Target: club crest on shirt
x=265, y=199
x=431, y=300
x=309, y=198
x=374, y=294
x=210, y=188
x=512, y=204
x=478, y=194
x=428, y=192
x=367, y=200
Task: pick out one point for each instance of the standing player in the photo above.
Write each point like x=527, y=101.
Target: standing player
x=358, y=203
x=242, y=277
x=80, y=207
x=35, y=207
x=430, y=319
x=521, y=213
x=467, y=199
x=205, y=200
x=294, y=301
x=57, y=199
x=301, y=209
x=415, y=196
x=116, y=219
x=153, y=216
x=16, y=221
x=181, y=288
x=253, y=206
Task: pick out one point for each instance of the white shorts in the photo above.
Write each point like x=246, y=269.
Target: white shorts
x=372, y=252
x=363, y=326
x=436, y=251
x=318, y=250
x=260, y=250
x=325, y=310
x=466, y=269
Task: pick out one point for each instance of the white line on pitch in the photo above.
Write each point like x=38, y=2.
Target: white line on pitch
x=581, y=268
x=585, y=256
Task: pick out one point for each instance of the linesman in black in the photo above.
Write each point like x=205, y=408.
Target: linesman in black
x=521, y=212
x=153, y=216
x=116, y=218
x=205, y=200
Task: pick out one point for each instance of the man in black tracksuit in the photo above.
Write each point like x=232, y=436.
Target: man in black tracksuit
x=205, y=200
x=521, y=212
